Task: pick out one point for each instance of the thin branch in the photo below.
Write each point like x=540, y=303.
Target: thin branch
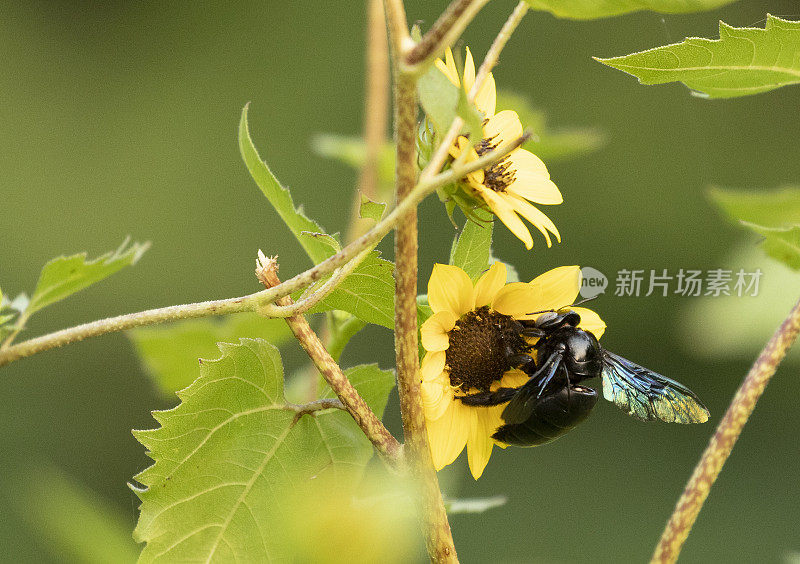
x=383, y=441
x=724, y=438
x=376, y=113
x=440, y=156
x=444, y=32
x=317, y=405
x=398, y=28
x=252, y=302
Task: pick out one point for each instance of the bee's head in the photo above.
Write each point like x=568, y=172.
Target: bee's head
x=554, y=319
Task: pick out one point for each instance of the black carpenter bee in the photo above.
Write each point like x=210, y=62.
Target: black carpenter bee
x=552, y=402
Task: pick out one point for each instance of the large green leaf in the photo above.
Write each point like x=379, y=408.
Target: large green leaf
x=591, y=9
x=548, y=143
x=169, y=353
x=742, y=61
x=473, y=246
x=775, y=215
x=367, y=293
x=64, y=276
x=318, y=249
x=227, y=457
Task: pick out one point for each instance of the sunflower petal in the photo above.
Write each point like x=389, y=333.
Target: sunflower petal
x=515, y=299
x=503, y=126
x=479, y=442
x=503, y=210
x=437, y=395
x=469, y=71
x=489, y=284
x=447, y=435
x=449, y=72
x=450, y=289
x=531, y=179
x=539, y=220
x=434, y=330
x=556, y=288
x=486, y=99
x=590, y=321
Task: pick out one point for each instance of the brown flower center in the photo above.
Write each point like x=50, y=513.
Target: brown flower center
x=499, y=176
x=480, y=345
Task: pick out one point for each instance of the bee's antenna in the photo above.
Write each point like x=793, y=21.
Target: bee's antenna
x=583, y=301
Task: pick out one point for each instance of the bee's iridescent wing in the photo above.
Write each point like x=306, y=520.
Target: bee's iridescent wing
x=646, y=395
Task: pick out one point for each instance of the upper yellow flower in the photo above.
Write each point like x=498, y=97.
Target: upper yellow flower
x=466, y=340
x=508, y=186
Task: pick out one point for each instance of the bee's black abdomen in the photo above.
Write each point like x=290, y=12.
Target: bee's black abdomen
x=554, y=414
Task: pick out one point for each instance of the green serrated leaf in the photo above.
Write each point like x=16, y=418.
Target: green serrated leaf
x=443, y=101
x=592, y=9
x=770, y=208
x=741, y=62
x=63, y=276
x=371, y=210
x=367, y=293
x=227, y=457
x=474, y=505
x=775, y=215
x=280, y=198
x=550, y=144
x=473, y=246
x=170, y=353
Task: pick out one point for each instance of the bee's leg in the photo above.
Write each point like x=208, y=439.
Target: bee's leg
x=488, y=399
x=522, y=361
x=552, y=365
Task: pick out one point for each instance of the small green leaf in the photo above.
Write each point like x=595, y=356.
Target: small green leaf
x=741, y=62
x=443, y=101
x=367, y=293
x=774, y=215
x=227, y=457
x=280, y=198
x=474, y=505
x=343, y=328
x=371, y=210
x=170, y=353
x=782, y=244
x=64, y=276
x=550, y=144
x=473, y=246
x=75, y=524
x=591, y=9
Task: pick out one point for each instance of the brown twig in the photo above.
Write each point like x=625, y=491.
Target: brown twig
x=376, y=113
x=724, y=438
x=386, y=445
x=445, y=31
x=438, y=537
x=437, y=161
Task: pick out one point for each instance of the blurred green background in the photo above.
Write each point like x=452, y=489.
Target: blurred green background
x=120, y=118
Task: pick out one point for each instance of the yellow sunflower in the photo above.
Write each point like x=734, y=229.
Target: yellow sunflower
x=509, y=186
x=465, y=342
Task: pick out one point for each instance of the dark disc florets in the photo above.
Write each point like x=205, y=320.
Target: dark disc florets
x=481, y=344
